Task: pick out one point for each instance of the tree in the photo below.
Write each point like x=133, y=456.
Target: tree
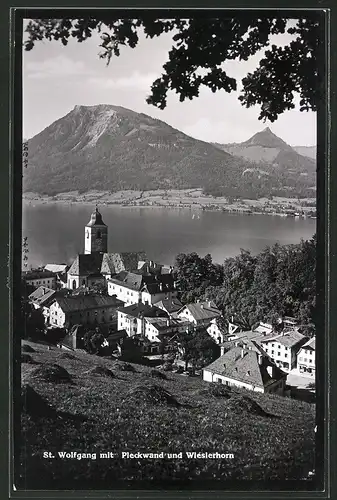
x=93, y=340
x=198, y=348
x=194, y=273
x=200, y=47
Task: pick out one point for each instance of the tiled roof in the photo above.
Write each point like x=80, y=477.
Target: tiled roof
x=85, y=264
x=288, y=339
x=144, y=310
x=133, y=281
x=168, y=305
x=41, y=295
x=37, y=274
x=203, y=310
x=85, y=302
x=114, y=263
x=311, y=344
x=56, y=268
x=165, y=323
x=245, y=369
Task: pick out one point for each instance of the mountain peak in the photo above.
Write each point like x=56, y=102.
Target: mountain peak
x=267, y=139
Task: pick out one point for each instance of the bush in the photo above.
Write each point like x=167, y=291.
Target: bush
x=27, y=348
x=66, y=355
x=158, y=374
x=126, y=367
x=34, y=404
x=52, y=373
x=151, y=394
x=26, y=358
x=102, y=371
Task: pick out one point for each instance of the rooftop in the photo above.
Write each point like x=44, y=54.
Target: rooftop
x=144, y=310
x=311, y=344
x=287, y=339
x=242, y=365
x=36, y=274
x=85, y=302
x=203, y=310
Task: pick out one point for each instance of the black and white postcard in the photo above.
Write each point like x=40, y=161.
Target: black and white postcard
x=167, y=262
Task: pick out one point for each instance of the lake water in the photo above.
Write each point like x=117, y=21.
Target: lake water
x=56, y=232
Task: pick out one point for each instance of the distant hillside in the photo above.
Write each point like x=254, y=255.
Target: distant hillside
x=265, y=146
x=84, y=410
x=107, y=147
x=309, y=151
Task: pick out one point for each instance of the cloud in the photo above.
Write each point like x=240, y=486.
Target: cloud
x=135, y=81
x=57, y=67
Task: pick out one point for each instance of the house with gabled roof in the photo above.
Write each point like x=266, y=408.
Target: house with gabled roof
x=248, y=369
x=142, y=286
x=306, y=358
x=90, y=310
x=43, y=297
x=204, y=314
x=283, y=347
x=132, y=317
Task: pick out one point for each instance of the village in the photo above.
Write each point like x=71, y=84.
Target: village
x=127, y=307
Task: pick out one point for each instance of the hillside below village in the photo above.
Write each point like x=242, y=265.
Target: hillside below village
x=123, y=354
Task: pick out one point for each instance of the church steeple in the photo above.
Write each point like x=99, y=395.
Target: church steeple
x=96, y=234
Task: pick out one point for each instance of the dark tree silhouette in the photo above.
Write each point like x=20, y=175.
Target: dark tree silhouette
x=200, y=47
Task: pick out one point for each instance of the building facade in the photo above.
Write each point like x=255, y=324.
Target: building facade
x=306, y=359
x=37, y=278
x=283, y=348
x=88, y=310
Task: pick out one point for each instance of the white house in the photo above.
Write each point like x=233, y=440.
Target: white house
x=283, y=348
x=203, y=314
x=247, y=369
x=158, y=328
x=40, y=277
x=140, y=286
x=306, y=362
x=90, y=310
x=132, y=318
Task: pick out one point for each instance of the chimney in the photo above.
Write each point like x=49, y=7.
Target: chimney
x=198, y=301
x=259, y=357
x=242, y=353
x=232, y=319
x=167, y=322
x=209, y=303
x=161, y=287
x=202, y=306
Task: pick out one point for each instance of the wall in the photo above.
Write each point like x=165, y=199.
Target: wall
x=123, y=293
x=208, y=376
x=146, y=297
x=47, y=282
x=92, y=241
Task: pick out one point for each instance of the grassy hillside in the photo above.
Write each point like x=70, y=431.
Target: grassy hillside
x=78, y=410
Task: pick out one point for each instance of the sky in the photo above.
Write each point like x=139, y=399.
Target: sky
x=57, y=77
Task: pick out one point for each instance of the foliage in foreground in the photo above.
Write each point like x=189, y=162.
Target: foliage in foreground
x=205, y=43
x=270, y=437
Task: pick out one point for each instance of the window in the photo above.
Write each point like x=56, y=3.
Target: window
x=99, y=235
x=286, y=355
x=272, y=345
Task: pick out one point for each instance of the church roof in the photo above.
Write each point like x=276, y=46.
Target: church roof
x=105, y=263
x=96, y=219
x=85, y=264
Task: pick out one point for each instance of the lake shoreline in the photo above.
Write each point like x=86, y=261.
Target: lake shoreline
x=187, y=199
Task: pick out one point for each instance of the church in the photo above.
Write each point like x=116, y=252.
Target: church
x=96, y=264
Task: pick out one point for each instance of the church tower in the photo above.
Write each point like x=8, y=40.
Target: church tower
x=96, y=234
